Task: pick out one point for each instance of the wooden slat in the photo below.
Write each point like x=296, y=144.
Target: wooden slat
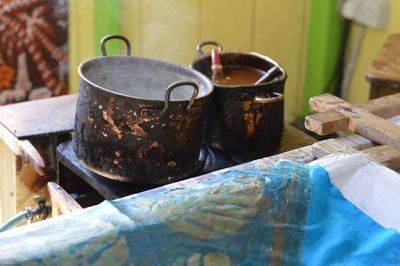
x=384, y=107
x=24, y=149
x=8, y=172
x=325, y=147
x=360, y=120
x=326, y=123
x=39, y=118
x=330, y=121
x=61, y=201
x=372, y=126
x=385, y=154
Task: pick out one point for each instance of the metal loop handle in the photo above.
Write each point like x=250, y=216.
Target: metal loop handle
x=179, y=84
x=115, y=36
x=277, y=98
x=201, y=45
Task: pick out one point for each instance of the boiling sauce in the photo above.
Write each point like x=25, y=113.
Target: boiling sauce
x=239, y=76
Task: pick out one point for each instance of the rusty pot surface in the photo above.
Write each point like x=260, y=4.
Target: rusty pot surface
x=243, y=116
x=139, y=120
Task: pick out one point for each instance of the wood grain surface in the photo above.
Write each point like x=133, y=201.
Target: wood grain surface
x=39, y=118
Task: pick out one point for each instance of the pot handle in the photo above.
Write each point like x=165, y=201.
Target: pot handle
x=277, y=98
x=178, y=84
x=115, y=36
x=200, y=46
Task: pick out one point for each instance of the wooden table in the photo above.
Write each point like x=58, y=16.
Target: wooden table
x=384, y=74
x=29, y=134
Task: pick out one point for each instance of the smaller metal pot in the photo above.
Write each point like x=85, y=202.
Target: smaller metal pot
x=243, y=116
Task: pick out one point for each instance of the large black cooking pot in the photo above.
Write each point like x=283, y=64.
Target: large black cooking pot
x=139, y=120
x=243, y=116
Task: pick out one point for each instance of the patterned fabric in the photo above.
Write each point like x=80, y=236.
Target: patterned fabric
x=239, y=217
x=33, y=49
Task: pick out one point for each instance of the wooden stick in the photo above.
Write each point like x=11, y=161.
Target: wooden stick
x=61, y=201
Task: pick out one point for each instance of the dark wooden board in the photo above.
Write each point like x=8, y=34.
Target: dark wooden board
x=39, y=118
x=107, y=188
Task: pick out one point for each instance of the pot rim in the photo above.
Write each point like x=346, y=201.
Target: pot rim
x=208, y=84
x=254, y=54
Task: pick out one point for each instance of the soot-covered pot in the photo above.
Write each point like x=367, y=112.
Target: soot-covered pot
x=243, y=116
x=139, y=120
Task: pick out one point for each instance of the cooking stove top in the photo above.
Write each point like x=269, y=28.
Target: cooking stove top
x=210, y=160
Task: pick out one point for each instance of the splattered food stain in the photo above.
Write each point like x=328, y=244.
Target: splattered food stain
x=171, y=164
x=111, y=122
x=137, y=130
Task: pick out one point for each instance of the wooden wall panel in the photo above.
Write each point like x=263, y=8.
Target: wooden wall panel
x=7, y=182
x=169, y=30
x=280, y=31
x=230, y=22
x=131, y=23
x=81, y=35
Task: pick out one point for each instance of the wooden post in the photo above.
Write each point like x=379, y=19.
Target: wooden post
x=8, y=171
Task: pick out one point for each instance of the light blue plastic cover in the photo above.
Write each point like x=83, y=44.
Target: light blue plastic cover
x=240, y=217
x=288, y=214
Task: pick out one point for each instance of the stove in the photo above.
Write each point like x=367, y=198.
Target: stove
x=90, y=188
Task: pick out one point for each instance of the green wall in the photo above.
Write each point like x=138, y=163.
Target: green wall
x=324, y=39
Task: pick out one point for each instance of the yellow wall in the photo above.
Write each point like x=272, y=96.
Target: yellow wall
x=373, y=40
x=80, y=37
x=171, y=29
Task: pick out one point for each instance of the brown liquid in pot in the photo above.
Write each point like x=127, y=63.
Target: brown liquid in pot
x=240, y=76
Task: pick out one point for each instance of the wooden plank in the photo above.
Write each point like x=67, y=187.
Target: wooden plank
x=280, y=30
x=24, y=149
x=360, y=120
x=326, y=123
x=385, y=154
x=340, y=144
x=331, y=121
x=39, y=118
x=61, y=201
x=8, y=173
x=384, y=107
x=329, y=146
